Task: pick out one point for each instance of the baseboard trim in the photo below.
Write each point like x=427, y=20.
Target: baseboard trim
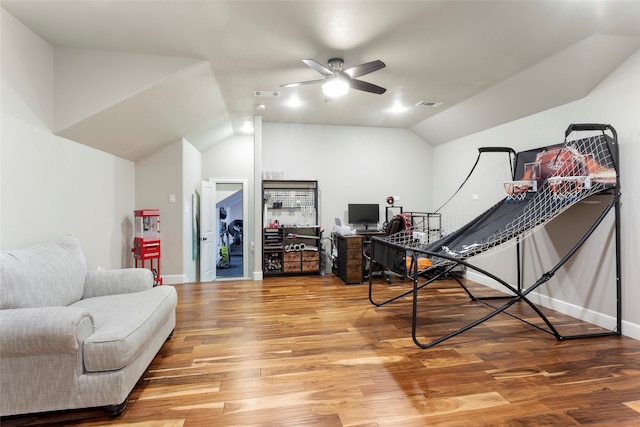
x=606, y=321
x=179, y=279
x=174, y=279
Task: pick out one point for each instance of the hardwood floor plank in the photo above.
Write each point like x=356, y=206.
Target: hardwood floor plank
x=310, y=351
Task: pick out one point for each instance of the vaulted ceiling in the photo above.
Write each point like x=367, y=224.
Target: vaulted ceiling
x=133, y=76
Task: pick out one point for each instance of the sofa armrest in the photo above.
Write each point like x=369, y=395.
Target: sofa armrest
x=111, y=282
x=43, y=330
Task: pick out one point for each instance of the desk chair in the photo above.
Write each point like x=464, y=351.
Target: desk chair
x=395, y=225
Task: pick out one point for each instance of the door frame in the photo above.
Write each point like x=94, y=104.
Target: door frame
x=245, y=221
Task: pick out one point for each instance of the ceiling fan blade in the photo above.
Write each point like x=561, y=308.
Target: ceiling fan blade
x=367, y=87
x=362, y=69
x=318, y=67
x=308, y=82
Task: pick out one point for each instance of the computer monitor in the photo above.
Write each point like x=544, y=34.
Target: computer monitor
x=363, y=214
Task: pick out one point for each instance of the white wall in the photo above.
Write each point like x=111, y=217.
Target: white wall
x=27, y=73
x=583, y=288
x=192, y=177
x=158, y=177
x=352, y=165
x=233, y=158
x=51, y=186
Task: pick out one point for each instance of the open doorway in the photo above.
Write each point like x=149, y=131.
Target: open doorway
x=230, y=237
x=224, y=246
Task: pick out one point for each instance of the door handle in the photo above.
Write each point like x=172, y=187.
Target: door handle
x=203, y=239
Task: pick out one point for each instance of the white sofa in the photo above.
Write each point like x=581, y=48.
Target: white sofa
x=72, y=338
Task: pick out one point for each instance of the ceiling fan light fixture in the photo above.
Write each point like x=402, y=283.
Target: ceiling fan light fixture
x=335, y=87
x=337, y=81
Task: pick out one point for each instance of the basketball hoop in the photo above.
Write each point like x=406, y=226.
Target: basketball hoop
x=567, y=187
x=516, y=190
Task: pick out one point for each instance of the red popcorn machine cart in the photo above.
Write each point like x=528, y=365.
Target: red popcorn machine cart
x=146, y=241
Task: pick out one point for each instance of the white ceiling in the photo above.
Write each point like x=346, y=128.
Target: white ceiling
x=488, y=62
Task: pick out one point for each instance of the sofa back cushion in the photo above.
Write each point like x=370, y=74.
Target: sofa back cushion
x=51, y=274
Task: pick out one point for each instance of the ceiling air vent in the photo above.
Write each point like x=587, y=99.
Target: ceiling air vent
x=266, y=93
x=430, y=104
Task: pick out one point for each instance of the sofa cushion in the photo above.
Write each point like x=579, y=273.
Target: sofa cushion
x=123, y=325
x=51, y=274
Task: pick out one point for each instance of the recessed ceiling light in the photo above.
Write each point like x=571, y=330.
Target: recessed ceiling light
x=260, y=107
x=294, y=102
x=247, y=127
x=397, y=108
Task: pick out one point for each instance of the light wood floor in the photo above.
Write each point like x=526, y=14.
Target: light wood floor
x=310, y=351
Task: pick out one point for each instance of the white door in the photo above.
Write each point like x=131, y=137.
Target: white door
x=208, y=225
